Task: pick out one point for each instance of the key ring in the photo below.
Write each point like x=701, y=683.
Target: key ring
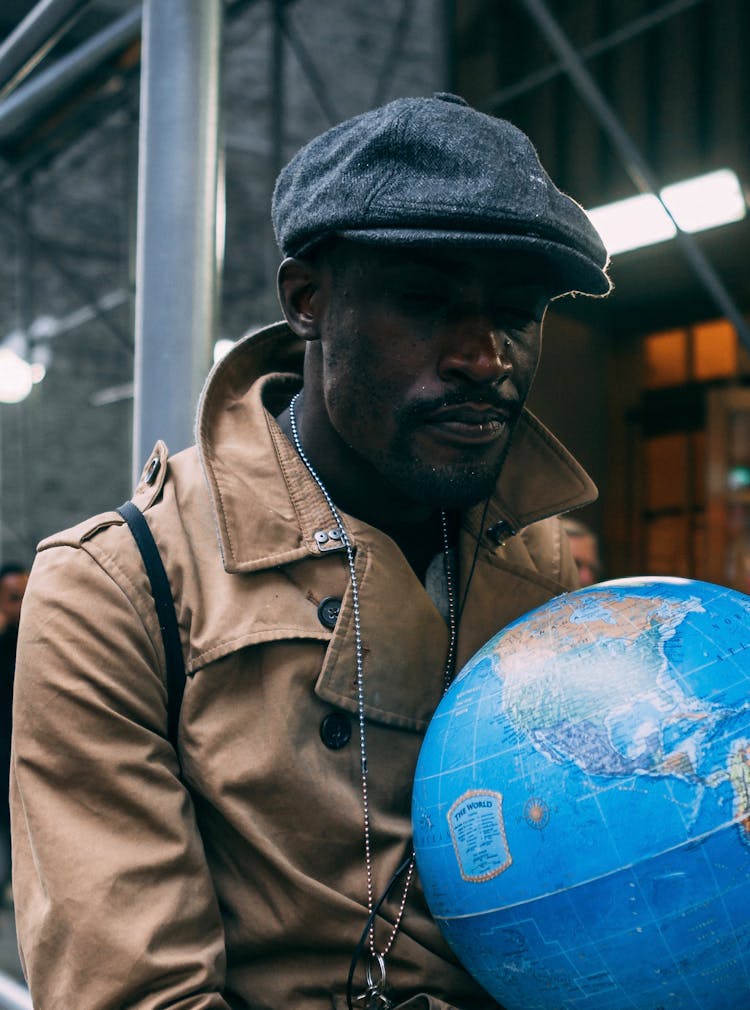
x=373, y=987
x=374, y=997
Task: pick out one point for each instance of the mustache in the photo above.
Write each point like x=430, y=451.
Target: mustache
x=489, y=397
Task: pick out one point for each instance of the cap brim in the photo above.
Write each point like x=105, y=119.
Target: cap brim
x=567, y=270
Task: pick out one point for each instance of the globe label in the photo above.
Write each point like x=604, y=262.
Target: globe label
x=478, y=833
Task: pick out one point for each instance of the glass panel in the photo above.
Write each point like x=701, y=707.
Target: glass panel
x=714, y=350
x=665, y=357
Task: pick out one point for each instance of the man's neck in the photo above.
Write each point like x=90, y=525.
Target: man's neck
x=415, y=528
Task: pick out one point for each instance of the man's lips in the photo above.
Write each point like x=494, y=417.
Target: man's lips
x=469, y=423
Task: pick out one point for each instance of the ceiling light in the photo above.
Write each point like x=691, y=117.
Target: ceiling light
x=632, y=223
x=706, y=201
x=15, y=377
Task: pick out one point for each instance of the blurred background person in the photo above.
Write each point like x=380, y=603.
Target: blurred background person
x=13, y=579
x=584, y=545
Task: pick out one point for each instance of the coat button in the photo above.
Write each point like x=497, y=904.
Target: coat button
x=328, y=611
x=336, y=731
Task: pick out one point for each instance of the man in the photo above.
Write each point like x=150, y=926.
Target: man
x=584, y=546
x=367, y=503
x=13, y=580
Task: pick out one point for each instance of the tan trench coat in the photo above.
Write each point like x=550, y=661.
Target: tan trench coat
x=246, y=889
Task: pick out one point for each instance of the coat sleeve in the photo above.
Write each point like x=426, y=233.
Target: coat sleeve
x=114, y=900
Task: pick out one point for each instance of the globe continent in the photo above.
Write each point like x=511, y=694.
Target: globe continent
x=581, y=804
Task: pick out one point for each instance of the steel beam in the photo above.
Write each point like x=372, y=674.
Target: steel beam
x=176, y=245
x=35, y=96
x=398, y=38
x=635, y=164
x=76, y=283
x=314, y=78
x=603, y=45
x=33, y=38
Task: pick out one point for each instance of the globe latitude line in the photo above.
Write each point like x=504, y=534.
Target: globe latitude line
x=593, y=880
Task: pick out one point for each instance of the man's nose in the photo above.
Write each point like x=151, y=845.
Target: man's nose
x=475, y=349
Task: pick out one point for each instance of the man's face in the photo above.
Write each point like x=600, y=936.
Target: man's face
x=12, y=588
x=427, y=357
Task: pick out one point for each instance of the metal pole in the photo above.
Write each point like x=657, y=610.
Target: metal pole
x=34, y=96
x=176, y=263
x=32, y=39
x=635, y=164
x=277, y=92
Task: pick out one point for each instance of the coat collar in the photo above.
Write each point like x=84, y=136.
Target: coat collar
x=269, y=511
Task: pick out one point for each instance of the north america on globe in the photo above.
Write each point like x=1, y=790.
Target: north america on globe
x=634, y=717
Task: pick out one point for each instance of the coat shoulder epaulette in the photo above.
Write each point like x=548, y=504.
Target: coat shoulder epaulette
x=148, y=489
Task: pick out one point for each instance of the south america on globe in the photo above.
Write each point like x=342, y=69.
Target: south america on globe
x=581, y=805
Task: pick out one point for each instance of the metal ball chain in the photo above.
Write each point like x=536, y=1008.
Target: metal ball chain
x=378, y=957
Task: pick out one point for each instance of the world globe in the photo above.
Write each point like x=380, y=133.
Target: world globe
x=581, y=804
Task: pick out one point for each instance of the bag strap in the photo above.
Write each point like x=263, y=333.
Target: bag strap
x=165, y=612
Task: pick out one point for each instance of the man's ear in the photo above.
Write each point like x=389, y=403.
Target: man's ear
x=301, y=296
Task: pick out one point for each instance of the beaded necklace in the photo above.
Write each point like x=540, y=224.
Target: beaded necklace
x=374, y=996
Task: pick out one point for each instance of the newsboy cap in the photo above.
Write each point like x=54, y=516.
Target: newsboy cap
x=426, y=171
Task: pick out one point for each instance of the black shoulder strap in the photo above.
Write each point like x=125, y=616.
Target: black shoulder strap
x=164, y=611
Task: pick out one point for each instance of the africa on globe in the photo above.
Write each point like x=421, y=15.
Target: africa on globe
x=581, y=804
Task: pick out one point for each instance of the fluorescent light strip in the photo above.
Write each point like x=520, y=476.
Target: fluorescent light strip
x=706, y=201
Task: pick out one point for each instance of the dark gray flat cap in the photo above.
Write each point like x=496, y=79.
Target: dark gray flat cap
x=426, y=171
